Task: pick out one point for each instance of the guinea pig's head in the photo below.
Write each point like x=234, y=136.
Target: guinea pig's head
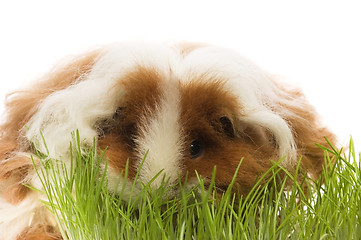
x=183, y=127
x=188, y=108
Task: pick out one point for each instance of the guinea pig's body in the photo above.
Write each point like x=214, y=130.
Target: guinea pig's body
x=190, y=106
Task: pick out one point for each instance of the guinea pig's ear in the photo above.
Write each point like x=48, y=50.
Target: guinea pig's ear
x=227, y=126
x=307, y=129
x=256, y=135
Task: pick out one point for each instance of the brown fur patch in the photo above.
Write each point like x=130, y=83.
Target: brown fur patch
x=142, y=96
x=13, y=171
x=204, y=103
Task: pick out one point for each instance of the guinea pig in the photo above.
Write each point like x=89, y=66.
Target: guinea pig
x=190, y=107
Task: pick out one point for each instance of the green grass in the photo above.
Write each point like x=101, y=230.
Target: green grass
x=85, y=209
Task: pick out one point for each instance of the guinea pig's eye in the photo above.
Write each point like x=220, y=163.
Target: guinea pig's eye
x=196, y=149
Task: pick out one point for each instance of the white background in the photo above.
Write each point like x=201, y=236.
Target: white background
x=315, y=44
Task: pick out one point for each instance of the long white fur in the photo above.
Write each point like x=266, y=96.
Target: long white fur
x=162, y=135
x=81, y=105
